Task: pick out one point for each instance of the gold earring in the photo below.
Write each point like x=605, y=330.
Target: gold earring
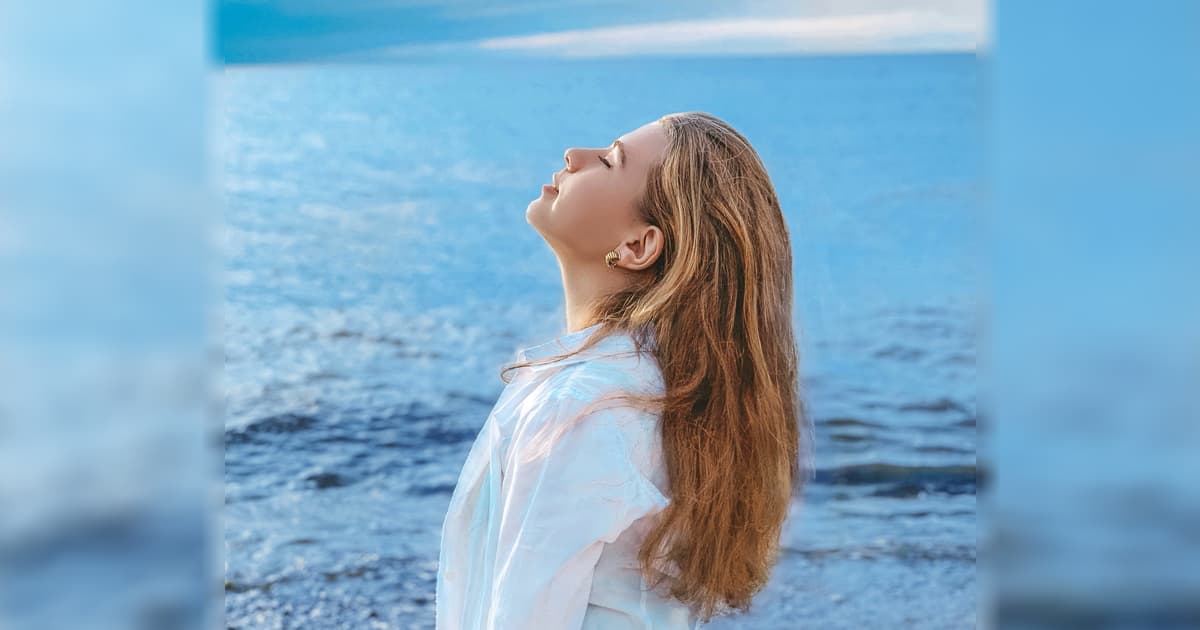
x=611, y=259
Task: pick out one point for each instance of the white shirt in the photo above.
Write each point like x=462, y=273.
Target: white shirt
x=543, y=534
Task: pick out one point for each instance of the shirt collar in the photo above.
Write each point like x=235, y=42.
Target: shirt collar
x=617, y=343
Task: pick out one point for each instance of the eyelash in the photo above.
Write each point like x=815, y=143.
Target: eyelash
x=605, y=161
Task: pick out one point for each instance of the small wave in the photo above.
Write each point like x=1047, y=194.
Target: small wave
x=899, y=352
x=844, y=422
x=899, y=481
x=940, y=405
x=277, y=424
x=324, y=480
x=904, y=551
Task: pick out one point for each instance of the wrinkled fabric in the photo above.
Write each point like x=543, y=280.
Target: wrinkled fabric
x=544, y=526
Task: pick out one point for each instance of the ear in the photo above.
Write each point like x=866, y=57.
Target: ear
x=644, y=249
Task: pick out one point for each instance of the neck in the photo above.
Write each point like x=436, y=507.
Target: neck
x=583, y=285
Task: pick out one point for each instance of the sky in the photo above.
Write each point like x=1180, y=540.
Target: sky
x=281, y=31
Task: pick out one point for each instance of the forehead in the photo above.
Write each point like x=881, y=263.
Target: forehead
x=644, y=144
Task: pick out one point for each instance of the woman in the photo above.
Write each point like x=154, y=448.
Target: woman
x=677, y=377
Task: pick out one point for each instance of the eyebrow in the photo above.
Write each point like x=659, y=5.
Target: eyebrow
x=620, y=147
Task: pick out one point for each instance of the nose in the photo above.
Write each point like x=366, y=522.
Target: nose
x=573, y=157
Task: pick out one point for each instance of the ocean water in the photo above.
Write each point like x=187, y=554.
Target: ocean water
x=379, y=271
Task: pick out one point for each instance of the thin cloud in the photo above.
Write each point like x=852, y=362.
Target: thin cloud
x=895, y=31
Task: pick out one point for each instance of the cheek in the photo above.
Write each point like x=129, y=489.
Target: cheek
x=591, y=213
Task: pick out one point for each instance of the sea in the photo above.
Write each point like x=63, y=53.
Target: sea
x=378, y=271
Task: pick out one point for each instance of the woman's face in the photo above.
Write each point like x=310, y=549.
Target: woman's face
x=594, y=207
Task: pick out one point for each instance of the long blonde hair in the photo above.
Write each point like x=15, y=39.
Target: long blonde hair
x=718, y=303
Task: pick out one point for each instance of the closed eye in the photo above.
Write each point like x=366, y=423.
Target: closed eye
x=605, y=161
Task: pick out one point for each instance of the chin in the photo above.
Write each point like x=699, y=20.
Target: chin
x=534, y=217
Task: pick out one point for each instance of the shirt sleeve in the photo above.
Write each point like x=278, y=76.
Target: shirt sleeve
x=570, y=486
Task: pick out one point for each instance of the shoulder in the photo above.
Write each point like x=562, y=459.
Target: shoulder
x=582, y=404
x=601, y=374
x=597, y=391
x=584, y=388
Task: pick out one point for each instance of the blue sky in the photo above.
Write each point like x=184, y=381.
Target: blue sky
x=264, y=31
